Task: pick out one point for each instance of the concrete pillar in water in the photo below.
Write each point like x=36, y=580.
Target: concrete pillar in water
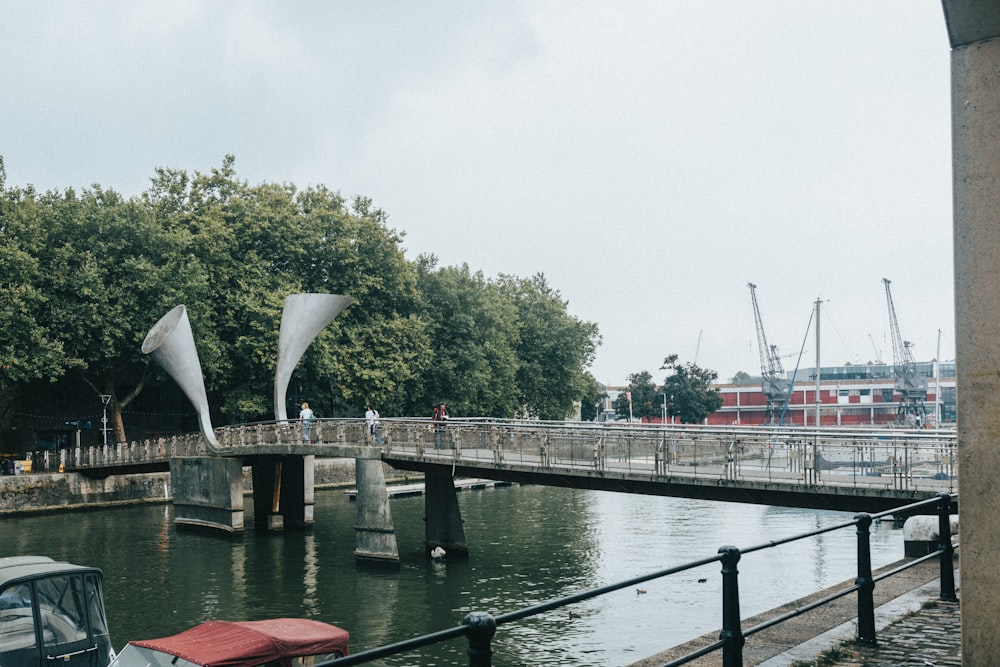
x=375, y=536
x=208, y=491
x=283, y=491
x=443, y=520
x=973, y=28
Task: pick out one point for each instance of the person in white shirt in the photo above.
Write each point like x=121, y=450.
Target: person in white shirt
x=308, y=417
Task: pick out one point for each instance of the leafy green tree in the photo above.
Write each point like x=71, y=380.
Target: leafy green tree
x=474, y=338
x=28, y=350
x=554, y=348
x=692, y=398
x=261, y=243
x=644, y=398
x=593, y=397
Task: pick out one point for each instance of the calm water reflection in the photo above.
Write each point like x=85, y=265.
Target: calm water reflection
x=529, y=544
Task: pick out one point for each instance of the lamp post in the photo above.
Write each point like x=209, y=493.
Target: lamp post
x=664, y=408
x=105, y=399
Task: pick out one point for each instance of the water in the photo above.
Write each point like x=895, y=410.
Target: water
x=528, y=544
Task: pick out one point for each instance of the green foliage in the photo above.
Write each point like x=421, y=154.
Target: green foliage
x=553, y=348
x=83, y=277
x=646, y=399
x=741, y=377
x=692, y=398
x=473, y=360
x=593, y=397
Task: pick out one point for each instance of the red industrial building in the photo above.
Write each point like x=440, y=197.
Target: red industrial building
x=861, y=395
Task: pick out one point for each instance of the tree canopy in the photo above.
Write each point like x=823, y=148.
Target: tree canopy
x=84, y=275
x=692, y=397
x=687, y=390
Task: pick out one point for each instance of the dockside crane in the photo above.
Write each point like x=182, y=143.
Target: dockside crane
x=774, y=385
x=911, y=387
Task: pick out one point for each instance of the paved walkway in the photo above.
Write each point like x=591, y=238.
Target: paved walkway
x=913, y=627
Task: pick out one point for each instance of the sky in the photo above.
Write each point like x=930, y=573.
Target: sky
x=650, y=158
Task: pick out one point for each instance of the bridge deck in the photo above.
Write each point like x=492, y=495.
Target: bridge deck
x=846, y=469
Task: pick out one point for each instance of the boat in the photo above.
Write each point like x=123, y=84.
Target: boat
x=277, y=642
x=51, y=611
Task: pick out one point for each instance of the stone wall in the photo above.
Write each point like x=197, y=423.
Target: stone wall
x=48, y=492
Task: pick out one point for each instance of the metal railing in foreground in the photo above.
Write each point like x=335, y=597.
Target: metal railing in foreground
x=479, y=628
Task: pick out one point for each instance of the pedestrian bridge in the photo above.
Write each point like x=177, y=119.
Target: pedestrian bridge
x=846, y=469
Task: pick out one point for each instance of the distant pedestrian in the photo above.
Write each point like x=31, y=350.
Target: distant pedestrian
x=439, y=417
x=308, y=417
x=374, y=426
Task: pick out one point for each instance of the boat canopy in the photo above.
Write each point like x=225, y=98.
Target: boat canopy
x=250, y=643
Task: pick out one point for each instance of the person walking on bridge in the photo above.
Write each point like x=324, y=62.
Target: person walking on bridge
x=374, y=426
x=308, y=417
x=439, y=417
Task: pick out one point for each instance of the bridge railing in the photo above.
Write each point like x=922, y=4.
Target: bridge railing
x=874, y=458
x=479, y=628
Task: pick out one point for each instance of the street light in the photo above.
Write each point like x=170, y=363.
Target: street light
x=664, y=408
x=105, y=398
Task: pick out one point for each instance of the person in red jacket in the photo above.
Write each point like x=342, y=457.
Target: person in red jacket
x=439, y=417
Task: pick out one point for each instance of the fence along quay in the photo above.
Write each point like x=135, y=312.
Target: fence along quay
x=479, y=627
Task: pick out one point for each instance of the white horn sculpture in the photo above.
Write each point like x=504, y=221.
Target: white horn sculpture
x=171, y=344
x=304, y=316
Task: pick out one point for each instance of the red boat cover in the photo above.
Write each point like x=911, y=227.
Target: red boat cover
x=249, y=643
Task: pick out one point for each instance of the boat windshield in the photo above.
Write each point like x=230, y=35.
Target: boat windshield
x=136, y=656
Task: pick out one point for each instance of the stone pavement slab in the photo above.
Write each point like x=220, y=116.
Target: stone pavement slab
x=802, y=638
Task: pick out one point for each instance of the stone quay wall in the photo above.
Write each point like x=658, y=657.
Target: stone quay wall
x=50, y=492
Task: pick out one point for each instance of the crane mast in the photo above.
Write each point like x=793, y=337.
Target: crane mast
x=774, y=385
x=911, y=387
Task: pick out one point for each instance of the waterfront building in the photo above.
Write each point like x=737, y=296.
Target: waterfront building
x=849, y=395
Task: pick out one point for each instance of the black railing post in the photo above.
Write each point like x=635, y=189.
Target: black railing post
x=732, y=634
x=482, y=628
x=865, y=582
x=947, y=555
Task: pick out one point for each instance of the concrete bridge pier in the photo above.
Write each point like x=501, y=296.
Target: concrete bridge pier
x=374, y=533
x=283, y=491
x=974, y=34
x=443, y=518
x=208, y=492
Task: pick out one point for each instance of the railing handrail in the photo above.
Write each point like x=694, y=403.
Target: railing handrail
x=479, y=627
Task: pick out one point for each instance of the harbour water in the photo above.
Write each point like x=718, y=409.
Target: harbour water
x=528, y=544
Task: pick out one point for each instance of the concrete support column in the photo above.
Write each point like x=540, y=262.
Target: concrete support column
x=973, y=28
x=283, y=491
x=374, y=534
x=208, y=491
x=443, y=520
x=298, y=488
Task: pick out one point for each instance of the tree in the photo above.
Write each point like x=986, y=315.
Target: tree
x=689, y=387
x=593, y=397
x=474, y=343
x=741, y=377
x=28, y=350
x=644, y=395
x=554, y=348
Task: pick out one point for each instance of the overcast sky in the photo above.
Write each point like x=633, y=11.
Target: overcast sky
x=649, y=158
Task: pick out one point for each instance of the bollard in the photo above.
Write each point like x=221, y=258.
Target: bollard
x=947, y=556
x=482, y=627
x=732, y=634
x=865, y=582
